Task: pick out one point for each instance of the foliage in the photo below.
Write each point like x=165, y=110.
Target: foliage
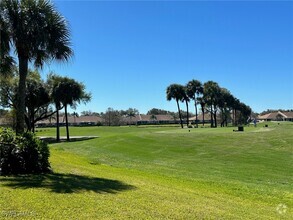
x=67, y=91
x=112, y=117
x=193, y=90
x=218, y=101
x=156, y=111
x=22, y=154
x=177, y=92
x=37, y=96
x=37, y=33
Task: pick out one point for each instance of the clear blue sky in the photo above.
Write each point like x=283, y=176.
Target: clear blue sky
x=128, y=52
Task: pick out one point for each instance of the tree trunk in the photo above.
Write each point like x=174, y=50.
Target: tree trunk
x=203, y=118
x=179, y=114
x=196, y=119
x=33, y=121
x=215, y=116
x=215, y=119
x=66, y=121
x=187, y=110
x=212, y=121
x=57, y=126
x=20, y=111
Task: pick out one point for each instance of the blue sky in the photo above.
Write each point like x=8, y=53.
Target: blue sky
x=128, y=52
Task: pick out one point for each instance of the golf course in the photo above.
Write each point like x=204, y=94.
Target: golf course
x=159, y=172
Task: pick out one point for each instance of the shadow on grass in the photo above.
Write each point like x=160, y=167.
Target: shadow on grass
x=66, y=183
x=52, y=140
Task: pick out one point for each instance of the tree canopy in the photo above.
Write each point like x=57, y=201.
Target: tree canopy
x=37, y=33
x=217, y=101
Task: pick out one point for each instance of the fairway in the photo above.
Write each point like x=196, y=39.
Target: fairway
x=149, y=172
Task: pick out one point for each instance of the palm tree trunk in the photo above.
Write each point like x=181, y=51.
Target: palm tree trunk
x=212, y=121
x=20, y=111
x=66, y=121
x=57, y=126
x=179, y=114
x=187, y=121
x=203, y=117
x=196, y=119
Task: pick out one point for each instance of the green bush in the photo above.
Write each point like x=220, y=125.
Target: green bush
x=22, y=154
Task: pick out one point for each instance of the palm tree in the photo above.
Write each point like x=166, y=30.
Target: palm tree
x=75, y=114
x=211, y=96
x=38, y=33
x=176, y=91
x=6, y=61
x=202, y=105
x=70, y=92
x=186, y=99
x=54, y=82
x=194, y=89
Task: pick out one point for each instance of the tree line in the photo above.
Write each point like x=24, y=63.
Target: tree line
x=216, y=100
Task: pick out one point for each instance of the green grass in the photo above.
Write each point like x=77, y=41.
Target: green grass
x=160, y=173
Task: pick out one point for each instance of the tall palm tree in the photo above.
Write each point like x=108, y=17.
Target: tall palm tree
x=176, y=91
x=194, y=89
x=202, y=105
x=54, y=82
x=38, y=33
x=211, y=96
x=186, y=99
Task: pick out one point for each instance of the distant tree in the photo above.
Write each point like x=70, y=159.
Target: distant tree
x=54, y=83
x=244, y=113
x=37, y=33
x=202, y=103
x=130, y=113
x=225, y=99
x=70, y=92
x=186, y=99
x=112, y=117
x=156, y=111
x=75, y=115
x=194, y=89
x=153, y=118
x=211, y=97
x=176, y=91
x=235, y=105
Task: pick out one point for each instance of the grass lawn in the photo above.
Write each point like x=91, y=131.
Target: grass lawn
x=159, y=173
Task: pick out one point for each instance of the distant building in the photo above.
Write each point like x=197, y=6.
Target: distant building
x=72, y=121
x=154, y=119
x=276, y=116
x=95, y=120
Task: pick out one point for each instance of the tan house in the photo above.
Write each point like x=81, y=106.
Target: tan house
x=72, y=121
x=277, y=116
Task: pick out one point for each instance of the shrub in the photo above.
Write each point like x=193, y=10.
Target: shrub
x=22, y=154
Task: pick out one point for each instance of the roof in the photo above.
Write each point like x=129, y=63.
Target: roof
x=72, y=119
x=275, y=115
x=207, y=116
x=141, y=117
